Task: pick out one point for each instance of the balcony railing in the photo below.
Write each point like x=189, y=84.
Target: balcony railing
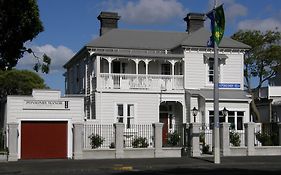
x=140, y=81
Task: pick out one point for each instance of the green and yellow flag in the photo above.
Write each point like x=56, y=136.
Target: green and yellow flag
x=217, y=24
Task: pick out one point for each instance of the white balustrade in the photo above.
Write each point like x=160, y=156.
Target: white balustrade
x=141, y=81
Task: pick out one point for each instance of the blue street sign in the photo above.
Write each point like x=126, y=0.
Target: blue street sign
x=229, y=85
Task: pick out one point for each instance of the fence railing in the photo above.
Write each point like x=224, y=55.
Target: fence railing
x=206, y=138
x=99, y=136
x=268, y=135
x=139, y=136
x=140, y=81
x=174, y=136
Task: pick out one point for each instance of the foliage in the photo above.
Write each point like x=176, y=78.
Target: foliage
x=234, y=138
x=205, y=149
x=262, y=61
x=19, y=23
x=267, y=139
x=112, y=145
x=96, y=140
x=19, y=82
x=173, y=138
x=202, y=138
x=140, y=142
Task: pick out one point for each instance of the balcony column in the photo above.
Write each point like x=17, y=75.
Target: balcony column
x=146, y=72
x=173, y=72
x=98, y=83
x=109, y=65
x=109, y=60
x=146, y=66
x=137, y=65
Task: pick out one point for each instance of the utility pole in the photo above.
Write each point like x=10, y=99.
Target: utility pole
x=216, y=101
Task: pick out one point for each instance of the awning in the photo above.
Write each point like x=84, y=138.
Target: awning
x=211, y=55
x=224, y=94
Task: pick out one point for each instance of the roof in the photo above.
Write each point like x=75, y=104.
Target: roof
x=143, y=55
x=200, y=38
x=139, y=39
x=224, y=94
x=158, y=40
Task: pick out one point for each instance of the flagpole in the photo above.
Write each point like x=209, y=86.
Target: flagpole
x=216, y=102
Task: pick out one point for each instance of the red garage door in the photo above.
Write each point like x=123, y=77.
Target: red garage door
x=43, y=140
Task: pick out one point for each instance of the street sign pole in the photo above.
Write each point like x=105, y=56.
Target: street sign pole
x=216, y=107
x=216, y=104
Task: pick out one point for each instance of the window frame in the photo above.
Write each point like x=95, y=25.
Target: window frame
x=125, y=117
x=208, y=82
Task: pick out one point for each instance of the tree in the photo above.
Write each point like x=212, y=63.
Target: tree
x=262, y=61
x=19, y=82
x=19, y=23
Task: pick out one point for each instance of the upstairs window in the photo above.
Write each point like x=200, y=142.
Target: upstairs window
x=211, y=70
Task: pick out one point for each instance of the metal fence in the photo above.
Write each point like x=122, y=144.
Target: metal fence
x=99, y=136
x=206, y=139
x=236, y=138
x=268, y=135
x=174, y=136
x=139, y=136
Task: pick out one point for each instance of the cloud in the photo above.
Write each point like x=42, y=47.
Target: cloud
x=260, y=24
x=60, y=55
x=148, y=11
x=233, y=10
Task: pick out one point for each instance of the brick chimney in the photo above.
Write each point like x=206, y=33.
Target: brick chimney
x=108, y=21
x=194, y=21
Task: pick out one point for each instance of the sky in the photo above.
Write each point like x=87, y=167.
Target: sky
x=70, y=24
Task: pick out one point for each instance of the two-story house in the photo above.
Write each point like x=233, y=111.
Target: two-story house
x=140, y=77
x=269, y=101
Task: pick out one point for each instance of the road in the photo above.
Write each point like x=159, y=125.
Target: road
x=265, y=165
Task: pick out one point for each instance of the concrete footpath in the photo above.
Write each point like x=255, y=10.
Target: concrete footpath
x=230, y=165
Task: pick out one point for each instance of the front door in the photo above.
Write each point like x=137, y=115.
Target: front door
x=164, y=120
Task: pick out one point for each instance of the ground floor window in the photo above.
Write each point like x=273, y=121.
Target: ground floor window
x=235, y=118
x=126, y=114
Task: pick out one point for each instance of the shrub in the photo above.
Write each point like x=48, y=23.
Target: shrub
x=112, y=145
x=205, y=149
x=96, y=140
x=267, y=139
x=234, y=138
x=173, y=138
x=140, y=142
x=202, y=138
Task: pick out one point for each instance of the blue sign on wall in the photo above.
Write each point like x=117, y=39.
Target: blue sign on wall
x=229, y=85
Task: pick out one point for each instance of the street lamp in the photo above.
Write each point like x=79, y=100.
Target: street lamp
x=224, y=112
x=194, y=113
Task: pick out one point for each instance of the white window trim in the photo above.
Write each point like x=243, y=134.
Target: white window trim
x=226, y=117
x=125, y=113
x=207, y=82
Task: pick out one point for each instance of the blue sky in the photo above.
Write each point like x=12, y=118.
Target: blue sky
x=70, y=24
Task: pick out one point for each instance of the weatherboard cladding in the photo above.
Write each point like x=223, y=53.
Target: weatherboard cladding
x=159, y=40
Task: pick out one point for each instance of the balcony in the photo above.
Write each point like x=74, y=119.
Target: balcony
x=141, y=82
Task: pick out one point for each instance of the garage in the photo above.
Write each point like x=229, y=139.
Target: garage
x=43, y=139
